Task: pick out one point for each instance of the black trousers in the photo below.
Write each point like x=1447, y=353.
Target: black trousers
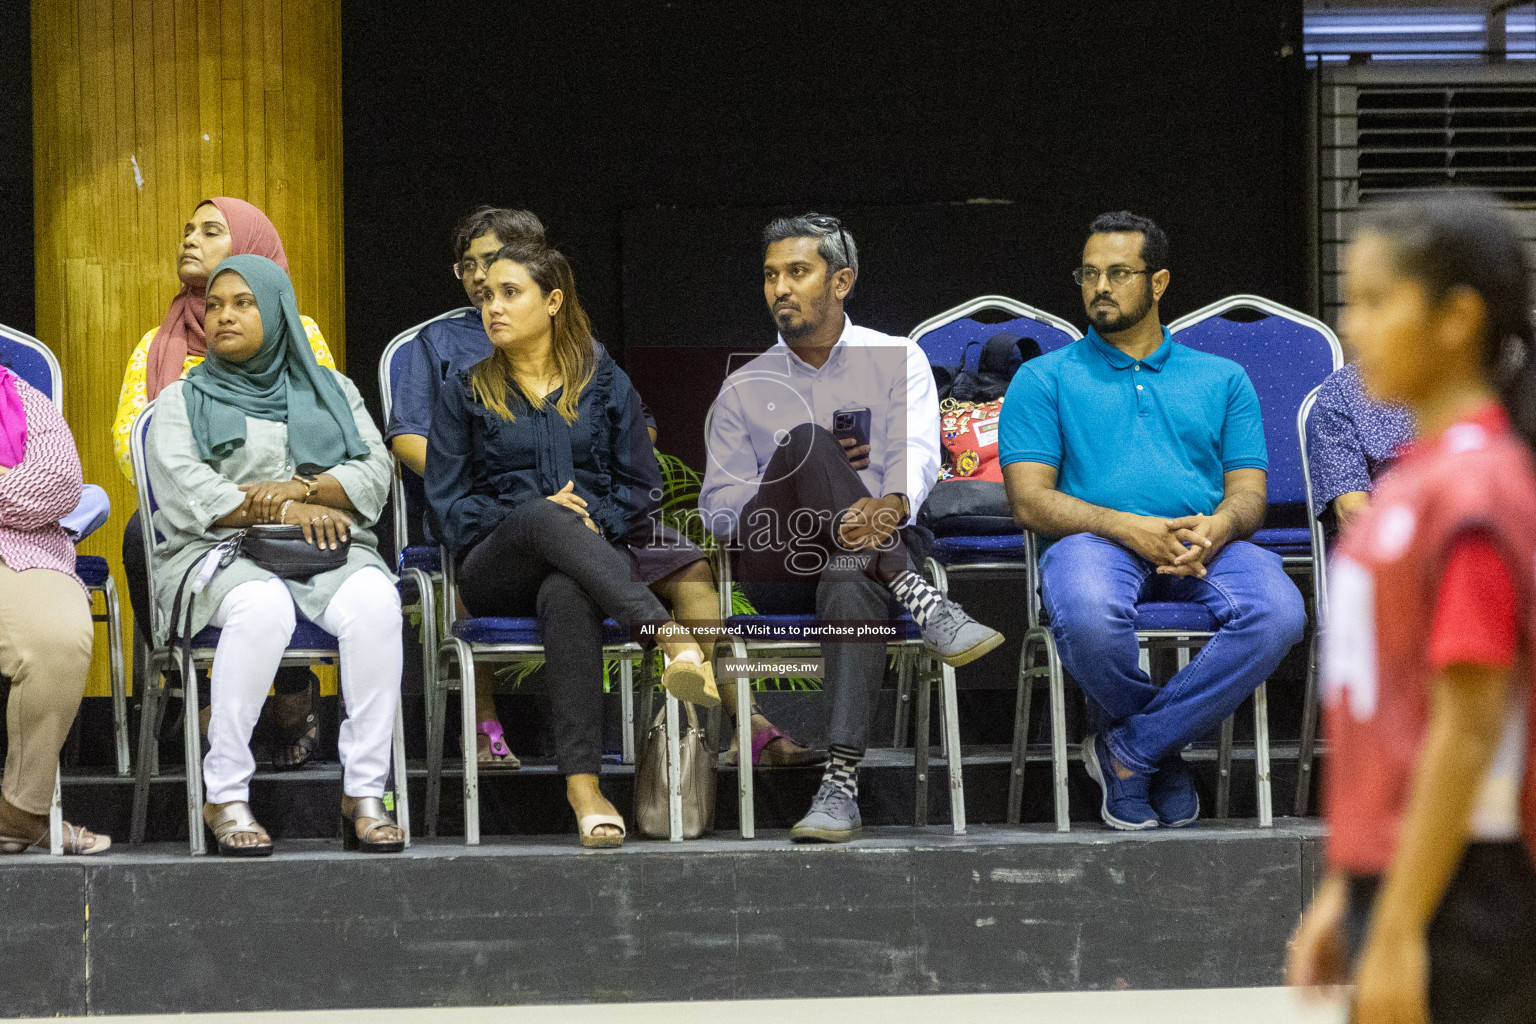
x=543, y=560
x=1482, y=939
x=790, y=563
x=292, y=679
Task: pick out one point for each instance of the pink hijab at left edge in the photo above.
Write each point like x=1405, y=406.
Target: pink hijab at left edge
x=13, y=421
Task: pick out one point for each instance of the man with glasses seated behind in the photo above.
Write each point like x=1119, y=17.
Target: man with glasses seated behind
x=1142, y=463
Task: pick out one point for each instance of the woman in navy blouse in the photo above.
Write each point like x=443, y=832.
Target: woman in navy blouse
x=540, y=478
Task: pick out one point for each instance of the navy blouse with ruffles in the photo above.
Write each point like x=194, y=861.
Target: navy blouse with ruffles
x=480, y=466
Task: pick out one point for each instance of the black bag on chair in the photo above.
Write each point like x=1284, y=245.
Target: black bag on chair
x=972, y=508
x=283, y=551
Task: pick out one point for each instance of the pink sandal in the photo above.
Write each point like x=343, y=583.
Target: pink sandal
x=501, y=755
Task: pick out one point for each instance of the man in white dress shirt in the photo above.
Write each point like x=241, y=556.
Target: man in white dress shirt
x=820, y=451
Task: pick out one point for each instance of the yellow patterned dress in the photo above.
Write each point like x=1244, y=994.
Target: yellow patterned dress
x=134, y=396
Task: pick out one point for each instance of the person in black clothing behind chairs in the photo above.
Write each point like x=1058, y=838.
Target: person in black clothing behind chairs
x=540, y=478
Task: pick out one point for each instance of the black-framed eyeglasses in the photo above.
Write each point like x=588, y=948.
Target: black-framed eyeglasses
x=466, y=266
x=1118, y=274
x=827, y=223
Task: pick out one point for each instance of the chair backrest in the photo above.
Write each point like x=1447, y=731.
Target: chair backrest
x=32, y=361
x=1286, y=354
x=944, y=338
x=136, y=442
x=392, y=366
x=1314, y=524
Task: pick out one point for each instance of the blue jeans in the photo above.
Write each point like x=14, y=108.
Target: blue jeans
x=1090, y=589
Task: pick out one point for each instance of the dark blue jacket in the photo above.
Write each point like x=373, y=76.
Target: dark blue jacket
x=480, y=466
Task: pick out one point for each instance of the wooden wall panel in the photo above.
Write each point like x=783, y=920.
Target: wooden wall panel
x=142, y=108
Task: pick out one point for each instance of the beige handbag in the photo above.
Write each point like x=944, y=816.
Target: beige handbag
x=696, y=773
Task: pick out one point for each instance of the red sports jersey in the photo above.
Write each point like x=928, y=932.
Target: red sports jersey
x=1476, y=477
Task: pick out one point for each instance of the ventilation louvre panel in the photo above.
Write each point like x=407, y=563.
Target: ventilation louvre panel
x=1392, y=133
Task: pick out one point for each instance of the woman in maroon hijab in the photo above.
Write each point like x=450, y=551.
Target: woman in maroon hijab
x=218, y=228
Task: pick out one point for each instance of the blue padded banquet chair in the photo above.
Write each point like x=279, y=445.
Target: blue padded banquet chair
x=511, y=640
x=1286, y=354
x=1306, y=756
x=417, y=562
x=783, y=636
x=309, y=645
x=34, y=363
x=948, y=339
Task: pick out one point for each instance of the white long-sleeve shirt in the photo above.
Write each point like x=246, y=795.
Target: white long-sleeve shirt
x=777, y=391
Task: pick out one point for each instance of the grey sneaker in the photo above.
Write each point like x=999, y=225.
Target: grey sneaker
x=956, y=638
x=833, y=818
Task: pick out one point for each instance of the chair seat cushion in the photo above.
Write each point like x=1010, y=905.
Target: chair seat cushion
x=92, y=569
x=1166, y=615
x=306, y=636
x=510, y=630
x=1285, y=540
x=961, y=550
x=422, y=556
x=782, y=628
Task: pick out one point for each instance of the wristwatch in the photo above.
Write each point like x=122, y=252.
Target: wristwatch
x=906, y=509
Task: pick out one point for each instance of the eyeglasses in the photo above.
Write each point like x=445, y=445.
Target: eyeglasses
x=466, y=267
x=826, y=223
x=1118, y=274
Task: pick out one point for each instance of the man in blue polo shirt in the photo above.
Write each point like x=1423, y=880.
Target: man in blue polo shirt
x=1143, y=462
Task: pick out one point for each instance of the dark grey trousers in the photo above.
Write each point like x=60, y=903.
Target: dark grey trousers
x=809, y=473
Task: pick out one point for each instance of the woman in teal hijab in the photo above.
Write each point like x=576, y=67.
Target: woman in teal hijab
x=261, y=433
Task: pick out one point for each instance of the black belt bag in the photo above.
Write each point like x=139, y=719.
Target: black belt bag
x=283, y=551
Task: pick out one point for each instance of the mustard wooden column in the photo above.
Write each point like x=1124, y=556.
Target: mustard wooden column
x=142, y=108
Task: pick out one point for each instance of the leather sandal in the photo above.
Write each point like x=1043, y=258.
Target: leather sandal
x=299, y=741
x=500, y=755
x=225, y=821
x=588, y=825
x=77, y=841
x=362, y=819
x=691, y=679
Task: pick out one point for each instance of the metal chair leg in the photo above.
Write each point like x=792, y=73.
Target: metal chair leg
x=1023, y=695
x=627, y=708
x=437, y=702
x=118, y=676
x=675, y=772
x=903, y=714
x=744, y=794
x=1058, y=702
x=1307, y=754
x=1261, y=756
x=920, y=746
x=402, y=781
x=56, y=817
x=953, y=754
x=1224, y=770
x=149, y=700
x=192, y=738
x=467, y=737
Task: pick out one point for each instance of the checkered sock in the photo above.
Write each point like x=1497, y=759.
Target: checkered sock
x=917, y=595
x=843, y=769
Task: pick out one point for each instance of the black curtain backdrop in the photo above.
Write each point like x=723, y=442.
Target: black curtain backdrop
x=18, y=302
x=966, y=146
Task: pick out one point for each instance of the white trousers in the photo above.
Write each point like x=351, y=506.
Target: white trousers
x=257, y=620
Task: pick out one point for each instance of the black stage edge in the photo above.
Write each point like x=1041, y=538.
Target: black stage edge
x=902, y=911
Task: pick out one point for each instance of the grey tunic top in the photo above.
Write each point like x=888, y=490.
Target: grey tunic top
x=193, y=494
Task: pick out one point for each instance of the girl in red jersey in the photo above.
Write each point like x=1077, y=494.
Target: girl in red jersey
x=1430, y=901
